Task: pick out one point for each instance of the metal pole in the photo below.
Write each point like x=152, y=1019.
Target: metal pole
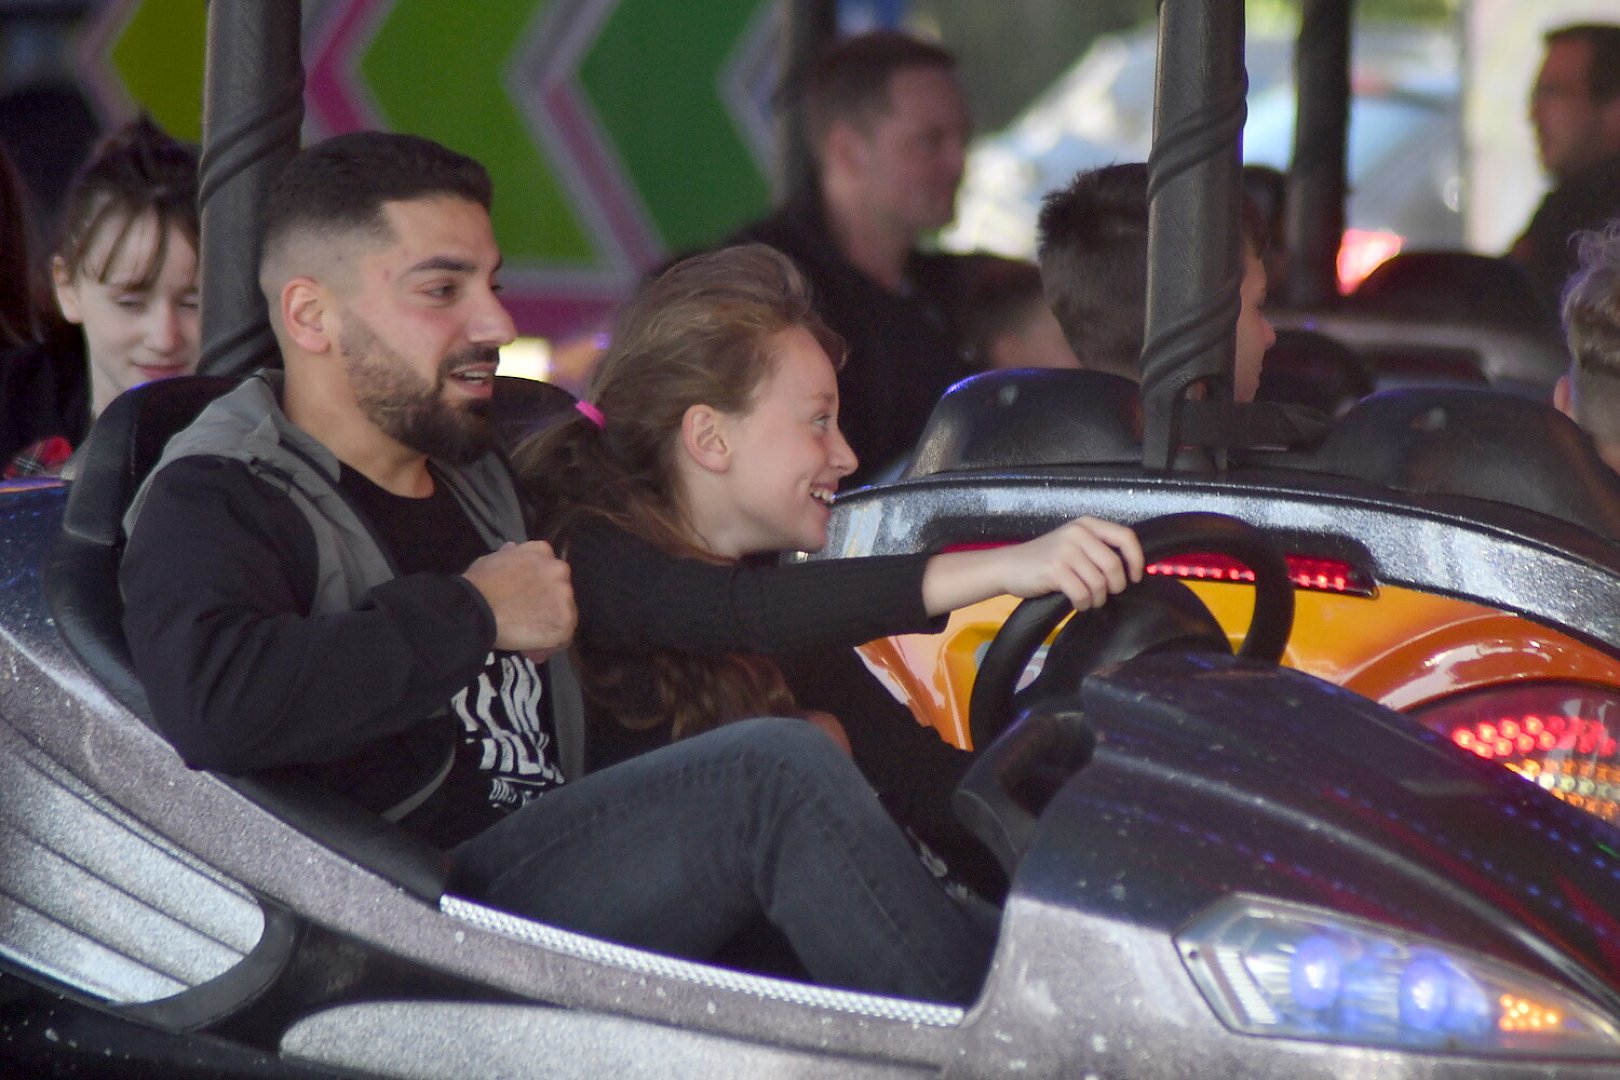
x=253, y=106
x=1316, y=177
x=1194, y=193
x=811, y=25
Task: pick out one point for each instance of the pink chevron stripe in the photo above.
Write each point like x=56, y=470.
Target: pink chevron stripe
x=328, y=91
x=554, y=314
x=589, y=144
x=106, y=90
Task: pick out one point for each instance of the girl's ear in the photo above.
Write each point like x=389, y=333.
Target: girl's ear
x=703, y=438
x=67, y=291
x=1564, y=395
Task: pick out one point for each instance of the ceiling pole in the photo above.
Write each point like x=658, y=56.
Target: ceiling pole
x=253, y=107
x=810, y=26
x=1316, y=177
x=1194, y=191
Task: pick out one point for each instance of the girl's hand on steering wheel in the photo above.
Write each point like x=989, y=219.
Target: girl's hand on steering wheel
x=1086, y=560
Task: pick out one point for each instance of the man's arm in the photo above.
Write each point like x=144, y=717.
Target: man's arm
x=218, y=580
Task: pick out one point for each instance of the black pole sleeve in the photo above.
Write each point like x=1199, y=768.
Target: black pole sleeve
x=1194, y=196
x=1316, y=177
x=811, y=25
x=253, y=106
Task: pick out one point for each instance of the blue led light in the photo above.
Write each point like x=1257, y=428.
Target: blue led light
x=1426, y=993
x=1317, y=972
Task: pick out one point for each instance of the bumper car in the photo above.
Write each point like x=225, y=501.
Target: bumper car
x=1220, y=865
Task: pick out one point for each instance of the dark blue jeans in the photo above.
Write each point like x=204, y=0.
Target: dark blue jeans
x=678, y=850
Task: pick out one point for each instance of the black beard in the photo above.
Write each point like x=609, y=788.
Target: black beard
x=412, y=411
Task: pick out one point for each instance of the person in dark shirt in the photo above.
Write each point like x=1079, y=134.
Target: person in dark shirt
x=1575, y=107
x=710, y=447
x=887, y=126
x=328, y=575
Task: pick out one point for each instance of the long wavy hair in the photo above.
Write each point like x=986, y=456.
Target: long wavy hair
x=700, y=333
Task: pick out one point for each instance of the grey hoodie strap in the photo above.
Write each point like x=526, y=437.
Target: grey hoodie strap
x=567, y=714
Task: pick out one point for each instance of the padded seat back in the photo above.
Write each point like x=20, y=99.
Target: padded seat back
x=1479, y=444
x=525, y=406
x=1001, y=419
x=82, y=579
x=1454, y=285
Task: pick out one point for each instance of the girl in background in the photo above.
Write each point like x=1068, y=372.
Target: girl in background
x=125, y=273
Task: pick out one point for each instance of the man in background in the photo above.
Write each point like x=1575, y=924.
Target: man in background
x=1575, y=107
x=887, y=124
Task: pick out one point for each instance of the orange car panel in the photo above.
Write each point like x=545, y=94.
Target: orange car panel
x=1400, y=647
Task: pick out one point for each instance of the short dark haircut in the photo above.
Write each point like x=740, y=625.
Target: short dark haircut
x=1603, y=39
x=1093, y=257
x=849, y=82
x=341, y=184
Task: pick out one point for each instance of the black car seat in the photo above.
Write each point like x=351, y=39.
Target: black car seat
x=81, y=589
x=1454, y=317
x=1309, y=368
x=1461, y=285
x=1031, y=417
x=1063, y=416
x=1480, y=444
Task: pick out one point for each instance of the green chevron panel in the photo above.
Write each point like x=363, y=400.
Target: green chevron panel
x=436, y=68
x=159, y=55
x=653, y=76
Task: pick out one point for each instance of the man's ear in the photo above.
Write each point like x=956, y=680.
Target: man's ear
x=846, y=149
x=1564, y=396
x=704, y=438
x=67, y=291
x=1609, y=122
x=306, y=314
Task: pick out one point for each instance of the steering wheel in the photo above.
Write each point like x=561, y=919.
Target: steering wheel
x=1143, y=616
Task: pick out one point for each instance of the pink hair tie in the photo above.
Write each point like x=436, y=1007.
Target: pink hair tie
x=591, y=413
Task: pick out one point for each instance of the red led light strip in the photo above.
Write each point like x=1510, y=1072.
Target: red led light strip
x=1307, y=572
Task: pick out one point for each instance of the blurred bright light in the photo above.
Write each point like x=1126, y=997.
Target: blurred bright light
x=527, y=358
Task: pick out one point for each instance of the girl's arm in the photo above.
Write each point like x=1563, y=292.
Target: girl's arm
x=1086, y=560
x=633, y=598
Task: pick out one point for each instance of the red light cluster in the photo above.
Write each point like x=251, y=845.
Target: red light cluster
x=1517, y=736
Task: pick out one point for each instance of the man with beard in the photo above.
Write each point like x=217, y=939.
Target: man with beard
x=328, y=575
